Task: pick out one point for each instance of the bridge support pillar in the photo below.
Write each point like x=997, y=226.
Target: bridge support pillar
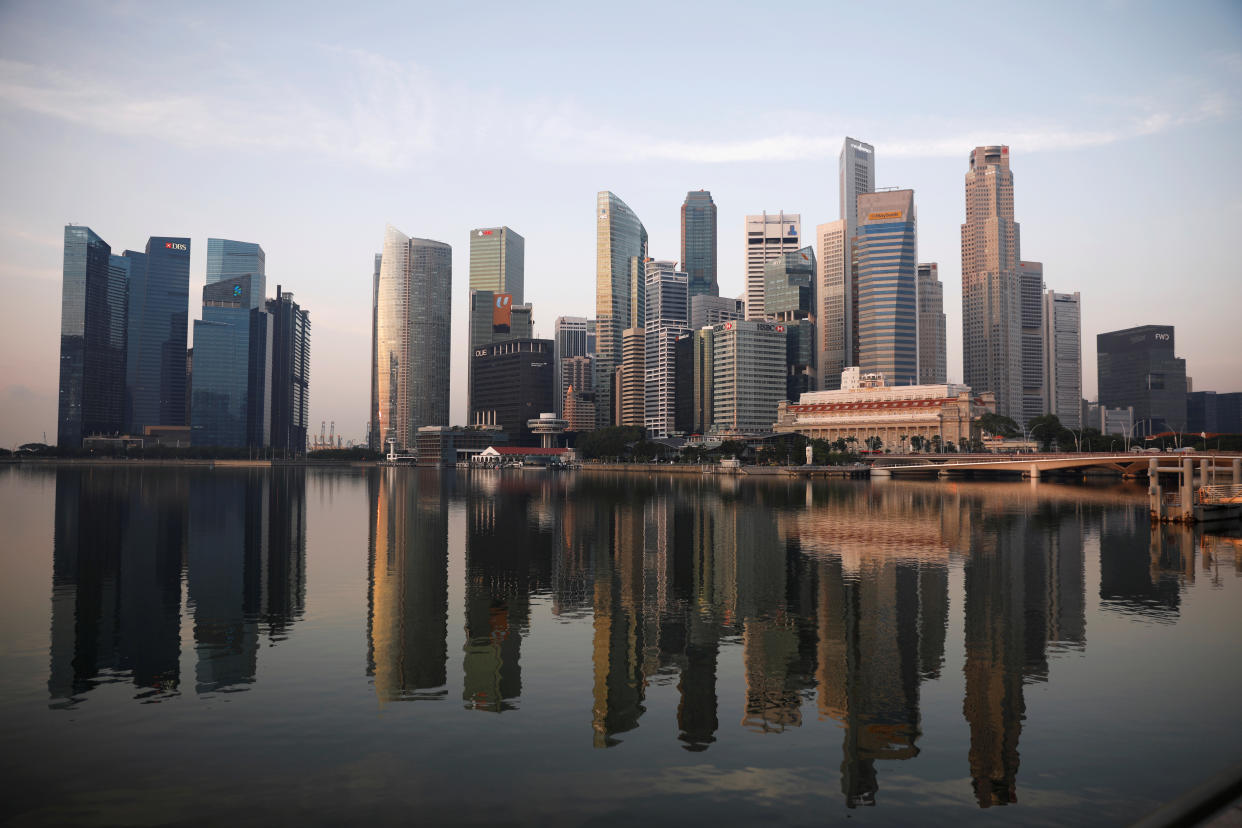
x=880, y=472
x=1187, y=493
x=1237, y=471
x=1203, y=472
x=1034, y=471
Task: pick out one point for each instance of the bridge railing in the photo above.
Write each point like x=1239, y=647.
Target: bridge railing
x=1221, y=493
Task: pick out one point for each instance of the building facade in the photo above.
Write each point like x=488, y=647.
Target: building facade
x=1138, y=368
x=886, y=255
x=991, y=297
x=838, y=336
x=748, y=376
x=93, y=331
x=570, y=333
x=497, y=281
x=232, y=366
x=291, y=337
x=698, y=243
x=227, y=258
x=694, y=381
x=768, y=235
x=374, y=438
x=1031, y=310
x=789, y=298
x=620, y=250
x=712, y=310
x=667, y=318
x=413, y=321
x=856, y=170
x=631, y=393
x=1062, y=343
x=933, y=363
x=159, y=303
x=513, y=383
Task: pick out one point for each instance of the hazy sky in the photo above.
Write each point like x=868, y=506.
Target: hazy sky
x=307, y=129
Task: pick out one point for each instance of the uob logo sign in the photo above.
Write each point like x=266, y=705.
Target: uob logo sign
x=502, y=312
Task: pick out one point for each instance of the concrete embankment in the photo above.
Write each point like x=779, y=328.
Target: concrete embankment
x=762, y=471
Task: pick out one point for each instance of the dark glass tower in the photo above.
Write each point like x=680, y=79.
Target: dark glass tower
x=512, y=383
x=159, y=301
x=232, y=367
x=92, y=339
x=290, y=373
x=698, y=243
x=1137, y=367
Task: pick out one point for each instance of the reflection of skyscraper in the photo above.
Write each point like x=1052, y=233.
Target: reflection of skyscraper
x=1129, y=583
x=407, y=625
x=116, y=580
x=618, y=648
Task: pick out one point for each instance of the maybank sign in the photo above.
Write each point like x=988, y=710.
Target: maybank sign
x=885, y=216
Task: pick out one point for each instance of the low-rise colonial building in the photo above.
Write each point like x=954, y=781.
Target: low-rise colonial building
x=866, y=407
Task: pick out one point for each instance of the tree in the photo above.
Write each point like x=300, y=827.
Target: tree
x=916, y=442
x=999, y=425
x=1047, y=428
x=874, y=443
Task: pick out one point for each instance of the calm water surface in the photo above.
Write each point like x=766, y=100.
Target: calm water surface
x=201, y=646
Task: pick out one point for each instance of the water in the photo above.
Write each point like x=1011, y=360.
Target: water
x=193, y=646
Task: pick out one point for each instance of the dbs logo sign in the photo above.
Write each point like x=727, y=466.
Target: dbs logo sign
x=175, y=246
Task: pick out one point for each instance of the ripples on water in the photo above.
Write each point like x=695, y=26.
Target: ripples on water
x=854, y=626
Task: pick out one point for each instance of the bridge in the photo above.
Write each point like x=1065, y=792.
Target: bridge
x=1130, y=464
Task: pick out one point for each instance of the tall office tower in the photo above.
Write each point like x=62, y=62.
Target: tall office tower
x=570, y=335
x=291, y=330
x=232, y=366
x=159, y=303
x=668, y=317
x=93, y=321
x=512, y=385
x=497, y=277
x=694, y=382
x=991, y=294
x=226, y=258
x=1062, y=357
x=768, y=235
x=933, y=364
x=412, y=335
x=619, y=237
x=748, y=375
x=631, y=395
x=886, y=253
x=576, y=373
x=698, y=243
x=837, y=333
x=789, y=298
x=373, y=437
x=1031, y=310
x=856, y=166
x=708, y=310
x=1137, y=367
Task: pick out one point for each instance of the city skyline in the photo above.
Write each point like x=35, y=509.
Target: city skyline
x=1113, y=132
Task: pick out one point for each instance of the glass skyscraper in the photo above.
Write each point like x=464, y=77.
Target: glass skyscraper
x=412, y=326
x=227, y=258
x=667, y=319
x=789, y=297
x=886, y=252
x=159, y=300
x=291, y=330
x=92, y=339
x=1138, y=367
x=232, y=366
x=620, y=250
x=698, y=243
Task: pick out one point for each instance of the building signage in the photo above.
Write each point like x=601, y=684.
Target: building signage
x=502, y=312
x=175, y=246
x=1163, y=337
x=885, y=216
x=480, y=352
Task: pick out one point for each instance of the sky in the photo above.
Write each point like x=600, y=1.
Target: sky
x=308, y=128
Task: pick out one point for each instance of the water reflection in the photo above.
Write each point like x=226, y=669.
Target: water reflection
x=126, y=539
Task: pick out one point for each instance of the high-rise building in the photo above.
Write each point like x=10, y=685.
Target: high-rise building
x=291, y=329
x=631, y=396
x=748, y=375
x=620, y=238
x=159, y=304
x=512, y=385
x=374, y=438
x=227, y=258
x=1031, y=310
x=991, y=293
x=933, y=368
x=667, y=318
x=1062, y=341
x=694, y=381
x=412, y=336
x=789, y=298
x=837, y=332
x=497, y=277
x=768, y=235
x=698, y=243
x=856, y=167
x=886, y=256
x=577, y=374
x=1137, y=367
x=708, y=310
x=570, y=335
x=93, y=330
x=232, y=366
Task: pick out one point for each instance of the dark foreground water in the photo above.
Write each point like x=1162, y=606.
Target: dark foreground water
x=399, y=646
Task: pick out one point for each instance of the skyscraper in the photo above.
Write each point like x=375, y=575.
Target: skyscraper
x=631, y=395
x=497, y=276
x=708, y=310
x=886, y=252
x=93, y=315
x=1031, y=310
x=412, y=336
x=570, y=335
x=789, y=298
x=290, y=373
x=698, y=243
x=667, y=295
x=748, y=375
x=856, y=166
x=1137, y=367
x=620, y=238
x=227, y=258
x=374, y=438
x=933, y=368
x=159, y=304
x=1062, y=341
x=512, y=385
x=768, y=235
x=991, y=294
x=838, y=334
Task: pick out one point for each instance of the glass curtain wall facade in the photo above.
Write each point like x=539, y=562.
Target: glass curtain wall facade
x=768, y=235
x=698, y=243
x=887, y=264
x=232, y=367
x=933, y=364
x=512, y=385
x=1137, y=367
x=374, y=438
x=1063, y=357
x=227, y=258
x=619, y=238
x=1031, y=311
x=667, y=319
x=158, y=319
x=291, y=330
x=570, y=338
x=748, y=376
x=497, y=274
x=92, y=339
x=789, y=298
x=412, y=328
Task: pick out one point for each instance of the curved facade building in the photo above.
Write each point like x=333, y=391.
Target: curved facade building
x=619, y=238
x=412, y=321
